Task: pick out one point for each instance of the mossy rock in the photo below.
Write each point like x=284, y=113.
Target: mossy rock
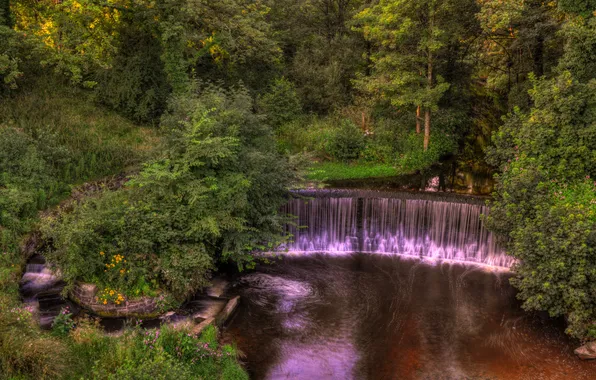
x=142, y=307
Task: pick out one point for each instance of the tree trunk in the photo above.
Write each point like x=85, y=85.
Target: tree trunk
x=418, y=119
x=426, y=129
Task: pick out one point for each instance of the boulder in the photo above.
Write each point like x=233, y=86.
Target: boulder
x=587, y=351
x=217, y=288
x=143, y=307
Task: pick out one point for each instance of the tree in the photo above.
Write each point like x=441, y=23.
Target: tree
x=545, y=202
x=518, y=38
x=321, y=55
x=411, y=41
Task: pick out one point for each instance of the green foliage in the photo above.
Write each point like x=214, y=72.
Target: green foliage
x=26, y=352
x=9, y=58
x=415, y=158
x=136, y=83
x=47, y=144
x=324, y=69
x=546, y=197
x=531, y=45
x=281, y=103
x=213, y=197
x=164, y=353
x=347, y=142
x=63, y=323
x=582, y=7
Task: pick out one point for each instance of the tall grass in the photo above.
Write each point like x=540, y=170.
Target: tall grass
x=87, y=141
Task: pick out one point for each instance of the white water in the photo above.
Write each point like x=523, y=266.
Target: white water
x=412, y=227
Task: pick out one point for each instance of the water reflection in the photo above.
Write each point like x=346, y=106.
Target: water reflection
x=377, y=317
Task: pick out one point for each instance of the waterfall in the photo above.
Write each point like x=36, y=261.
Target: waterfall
x=414, y=227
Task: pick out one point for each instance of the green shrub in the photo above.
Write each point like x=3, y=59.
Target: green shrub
x=164, y=353
x=347, y=142
x=412, y=156
x=212, y=198
x=136, y=84
x=545, y=201
x=63, y=322
x=280, y=104
x=307, y=134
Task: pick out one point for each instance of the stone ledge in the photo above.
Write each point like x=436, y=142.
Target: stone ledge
x=143, y=307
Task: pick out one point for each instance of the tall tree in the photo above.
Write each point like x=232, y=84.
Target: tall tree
x=545, y=201
x=518, y=38
x=411, y=42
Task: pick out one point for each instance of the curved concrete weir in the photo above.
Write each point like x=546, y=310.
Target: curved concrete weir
x=443, y=227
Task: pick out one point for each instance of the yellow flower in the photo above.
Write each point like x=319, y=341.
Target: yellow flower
x=102, y=253
x=105, y=302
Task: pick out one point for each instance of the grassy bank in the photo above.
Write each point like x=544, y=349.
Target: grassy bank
x=329, y=171
x=51, y=139
x=342, y=150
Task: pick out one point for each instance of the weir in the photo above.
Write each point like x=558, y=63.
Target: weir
x=372, y=222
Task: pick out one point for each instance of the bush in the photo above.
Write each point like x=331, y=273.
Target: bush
x=281, y=104
x=136, y=85
x=412, y=156
x=213, y=197
x=545, y=201
x=347, y=142
x=168, y=353
x=63, y=322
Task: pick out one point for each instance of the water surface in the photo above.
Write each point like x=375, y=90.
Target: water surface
x=367, y=316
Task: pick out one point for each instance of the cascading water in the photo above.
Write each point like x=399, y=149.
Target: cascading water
x=415, y=227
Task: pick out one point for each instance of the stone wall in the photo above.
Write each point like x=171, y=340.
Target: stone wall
x=143, y=307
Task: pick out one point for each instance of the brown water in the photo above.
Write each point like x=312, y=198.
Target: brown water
x=368, y=316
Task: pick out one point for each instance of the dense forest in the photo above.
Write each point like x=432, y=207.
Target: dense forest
x=213, y=109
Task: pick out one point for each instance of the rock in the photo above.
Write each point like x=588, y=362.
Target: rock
x=217, y=288
x=201, y=326
x=88, y=290
x=228, y=310
x=587, y=351
x=144, y=307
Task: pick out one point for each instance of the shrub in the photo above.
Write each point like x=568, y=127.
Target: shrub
x=136, y=85
x=412, y=156
x=280, y=104
x=63, y=322
x=347, y=142
x=164, y=353
x=213, y=197
x=545, y=200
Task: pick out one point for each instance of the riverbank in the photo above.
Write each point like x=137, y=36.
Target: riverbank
x=54, y=140
x=443, y=177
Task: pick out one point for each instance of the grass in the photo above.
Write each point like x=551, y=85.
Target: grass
x=98, y=141
x=329, y=171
